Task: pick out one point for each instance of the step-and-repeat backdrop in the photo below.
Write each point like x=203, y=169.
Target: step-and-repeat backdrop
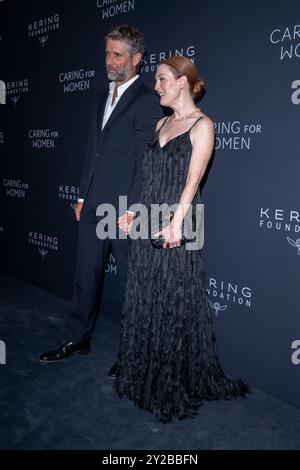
x=52, y=61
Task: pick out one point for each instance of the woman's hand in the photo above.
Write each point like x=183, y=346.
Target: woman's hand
x=171, y=234
x=125, y=222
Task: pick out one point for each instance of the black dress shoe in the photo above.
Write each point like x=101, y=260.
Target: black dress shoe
x=66, y=350
x=113, y=371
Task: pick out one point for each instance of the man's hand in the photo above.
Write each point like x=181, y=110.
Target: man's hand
x=125, y=222
x=78, y=209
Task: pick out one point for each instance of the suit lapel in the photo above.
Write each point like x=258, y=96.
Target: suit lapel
x=125, y=99
x=101, y=108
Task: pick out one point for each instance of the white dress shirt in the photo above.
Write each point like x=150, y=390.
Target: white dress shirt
x=109, y=107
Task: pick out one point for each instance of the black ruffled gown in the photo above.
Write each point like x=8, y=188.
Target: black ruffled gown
x=168, y=361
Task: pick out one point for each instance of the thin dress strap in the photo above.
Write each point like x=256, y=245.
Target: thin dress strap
x=163, y=124
x=195, y=123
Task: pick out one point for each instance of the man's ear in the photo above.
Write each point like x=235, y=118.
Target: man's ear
x=137, y=57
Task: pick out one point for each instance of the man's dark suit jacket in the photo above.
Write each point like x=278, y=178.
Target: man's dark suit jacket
x=114, y=154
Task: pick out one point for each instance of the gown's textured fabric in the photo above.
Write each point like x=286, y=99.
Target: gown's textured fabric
x=168, y=361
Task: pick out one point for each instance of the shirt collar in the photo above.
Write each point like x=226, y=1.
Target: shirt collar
x=123, y=87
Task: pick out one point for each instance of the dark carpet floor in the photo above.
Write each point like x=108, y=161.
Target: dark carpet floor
x=72, y=405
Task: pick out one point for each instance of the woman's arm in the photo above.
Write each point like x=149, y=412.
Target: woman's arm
x=202, y=138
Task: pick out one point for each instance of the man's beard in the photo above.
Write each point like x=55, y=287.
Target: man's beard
x=116, y=76
x=121, y=75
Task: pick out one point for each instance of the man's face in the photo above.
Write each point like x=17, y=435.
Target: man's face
x=120, y=64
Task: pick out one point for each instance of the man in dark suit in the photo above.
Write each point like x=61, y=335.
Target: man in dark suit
x=122, y=123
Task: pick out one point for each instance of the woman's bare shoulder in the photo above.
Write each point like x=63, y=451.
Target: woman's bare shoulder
x=204, y=128
x=160, y=122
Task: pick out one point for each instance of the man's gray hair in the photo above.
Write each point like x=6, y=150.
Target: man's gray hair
x=129, y=34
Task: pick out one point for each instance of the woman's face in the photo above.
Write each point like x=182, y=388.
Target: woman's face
x=167, y=86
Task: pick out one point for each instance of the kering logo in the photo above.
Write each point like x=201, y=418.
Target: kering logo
x=70, y=193
x=280, y=220
x=43, y=253
x=76, y=80
x=43, y=138
x=16, y=88
x=295, y=243
x=234, y=135
x=15, y=188
x=296, y=94
x=153, y=59
x=42, y=26
x=42, y=240
x=1, y=137
x=217, y=307
x=229, y=292
x=110, y=266
x=111, y=8
x=295, y=357
x=288, y=38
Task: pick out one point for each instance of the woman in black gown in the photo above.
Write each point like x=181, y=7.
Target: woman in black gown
x=167, y=360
